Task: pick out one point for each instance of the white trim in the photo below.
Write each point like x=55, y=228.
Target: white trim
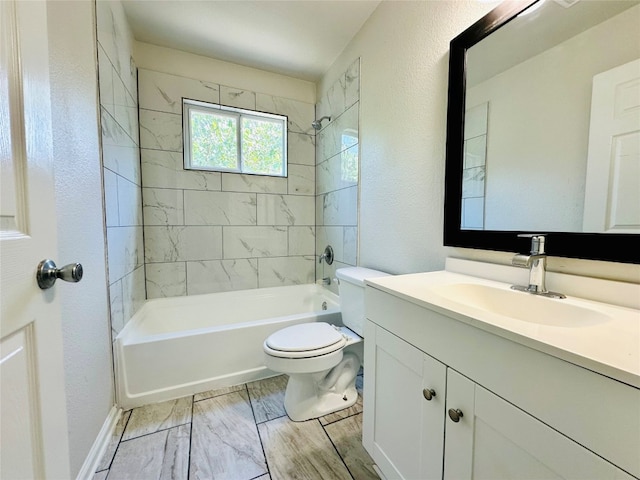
x=100, y=445
x=379, y=472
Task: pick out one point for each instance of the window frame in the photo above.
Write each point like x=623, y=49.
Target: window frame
x=239, y=114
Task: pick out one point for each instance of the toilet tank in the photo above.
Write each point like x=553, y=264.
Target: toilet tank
x=351, y=290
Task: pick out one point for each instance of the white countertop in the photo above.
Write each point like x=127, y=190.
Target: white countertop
x=610, y=347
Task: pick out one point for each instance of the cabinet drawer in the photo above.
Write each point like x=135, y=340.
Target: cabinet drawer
x=598, y=412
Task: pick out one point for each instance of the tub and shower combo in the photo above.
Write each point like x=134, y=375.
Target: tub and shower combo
x=179, y=346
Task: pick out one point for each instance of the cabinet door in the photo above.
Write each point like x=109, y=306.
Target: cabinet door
x=494, y=439
x=459, y=435
x=403, y=431
x=434, y=383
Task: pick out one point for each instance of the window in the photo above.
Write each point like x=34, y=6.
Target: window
x=227, y=139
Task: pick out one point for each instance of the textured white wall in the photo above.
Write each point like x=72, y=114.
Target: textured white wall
x=404, y=63
x=403, y=103
x=87, y=348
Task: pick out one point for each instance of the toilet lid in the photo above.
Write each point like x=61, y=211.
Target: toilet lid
x=305, y=337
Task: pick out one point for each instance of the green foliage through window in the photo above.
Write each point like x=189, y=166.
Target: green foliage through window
x=214, y=140
x=349, y=157
x=233, y=140
x=262, y=146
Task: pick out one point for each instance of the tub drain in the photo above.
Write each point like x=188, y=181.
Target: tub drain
x=324, y=305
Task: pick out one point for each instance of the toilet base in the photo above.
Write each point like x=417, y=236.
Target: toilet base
x=315, y=395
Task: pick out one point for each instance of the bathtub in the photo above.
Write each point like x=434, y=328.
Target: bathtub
x=179, y=346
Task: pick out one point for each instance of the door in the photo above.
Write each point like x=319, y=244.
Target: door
x=404, y=424
x=612, y=190
x=32, y=402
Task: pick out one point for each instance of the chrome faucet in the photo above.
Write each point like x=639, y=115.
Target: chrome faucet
x=536, y=262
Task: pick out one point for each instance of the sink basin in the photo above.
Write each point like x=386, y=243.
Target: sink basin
x=520, y=305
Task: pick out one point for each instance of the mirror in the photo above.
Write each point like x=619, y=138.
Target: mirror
x=534, y=138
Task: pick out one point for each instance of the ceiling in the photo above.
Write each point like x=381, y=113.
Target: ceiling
x=531, y=34
x=298, y=38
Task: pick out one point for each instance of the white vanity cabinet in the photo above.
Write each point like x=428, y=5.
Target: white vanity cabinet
x=525, y=414
x=496, y=440
x=406, y=419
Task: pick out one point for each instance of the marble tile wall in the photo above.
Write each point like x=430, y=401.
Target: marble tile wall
x=209, y=231
x=474, y=167
x=121, y=162
x=337, y=173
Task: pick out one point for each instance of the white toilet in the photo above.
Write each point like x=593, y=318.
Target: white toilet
x=323, y=360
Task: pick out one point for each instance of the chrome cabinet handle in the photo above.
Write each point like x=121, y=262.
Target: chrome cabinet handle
x=428, y=393
x=455, y=415
x=47, y=273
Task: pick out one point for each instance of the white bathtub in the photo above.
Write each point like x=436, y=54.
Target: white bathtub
x=184, y=345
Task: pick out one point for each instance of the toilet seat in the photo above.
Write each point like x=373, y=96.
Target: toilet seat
x=304, y=341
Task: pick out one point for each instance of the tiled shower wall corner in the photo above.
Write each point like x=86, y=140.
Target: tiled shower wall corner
x=337, y=173
x=206, y=231
x=121, y=162
x=212, y=232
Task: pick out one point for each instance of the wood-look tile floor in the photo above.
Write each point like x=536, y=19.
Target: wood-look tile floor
x=236, y=433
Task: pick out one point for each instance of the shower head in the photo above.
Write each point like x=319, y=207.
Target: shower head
x=317, y=124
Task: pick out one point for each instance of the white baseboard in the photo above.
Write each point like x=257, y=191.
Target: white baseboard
x=100, y=444
x=379, y=472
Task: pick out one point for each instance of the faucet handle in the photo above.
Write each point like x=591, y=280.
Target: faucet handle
x=327, y=255
x=537, y=242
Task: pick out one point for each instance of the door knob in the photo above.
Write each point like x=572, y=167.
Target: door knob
x=47, y=273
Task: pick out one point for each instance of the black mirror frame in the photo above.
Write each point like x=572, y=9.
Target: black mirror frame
x=614, y=247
